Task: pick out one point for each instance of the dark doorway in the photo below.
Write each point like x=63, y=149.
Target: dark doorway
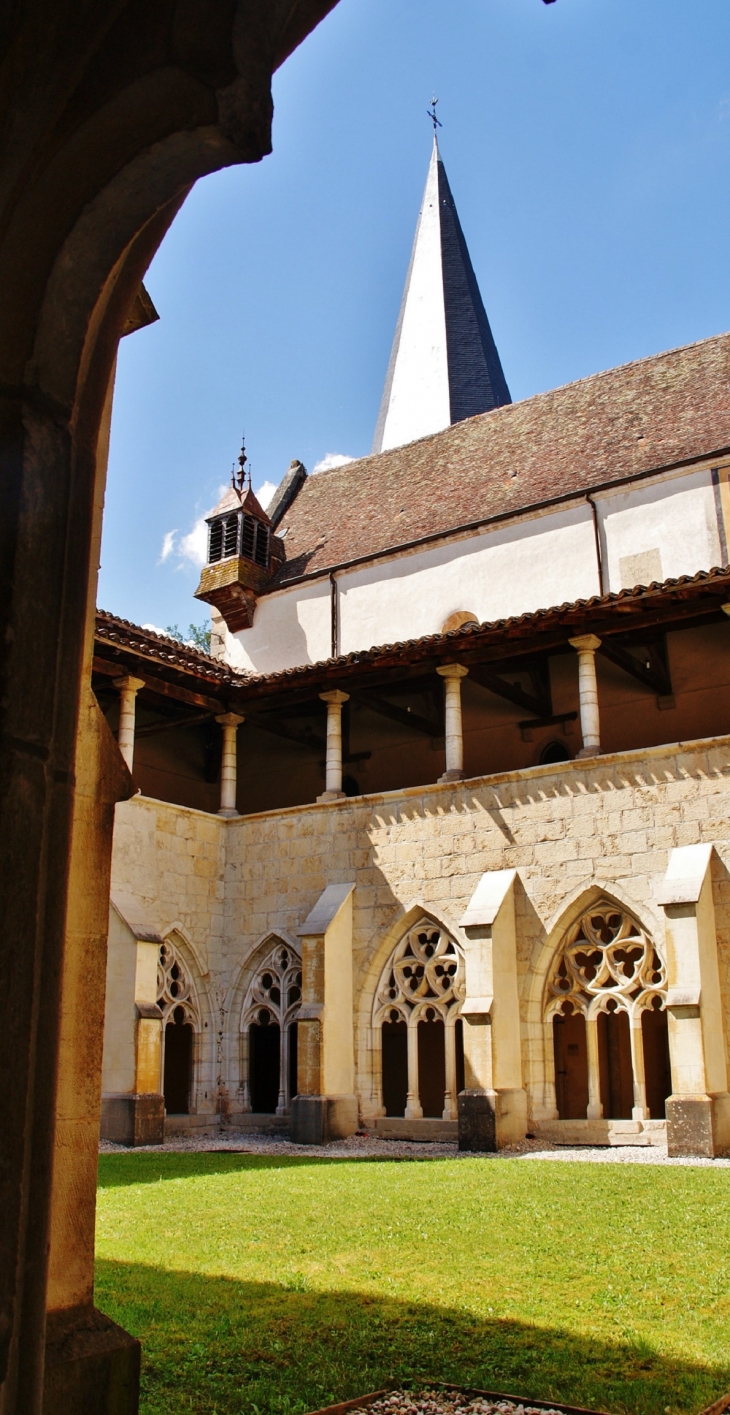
x=614, y=1063
x=293, y=1052
x=431, y=1066
x=655, y=1036
x=263, y=1061
x=571, y=1065
x=554, y=752
x=395, y=1066
x=459, y=1055
x=178, y=1070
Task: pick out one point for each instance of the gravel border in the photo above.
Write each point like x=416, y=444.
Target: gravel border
x=371, y=1147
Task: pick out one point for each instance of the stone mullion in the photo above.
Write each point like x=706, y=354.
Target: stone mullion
x=414, y=1109
x=450, y=1111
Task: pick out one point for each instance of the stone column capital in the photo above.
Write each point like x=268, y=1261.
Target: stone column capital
x=452, y=670
x=129, y=683
x=334, y=696
x=585, y=643
x=230, y=719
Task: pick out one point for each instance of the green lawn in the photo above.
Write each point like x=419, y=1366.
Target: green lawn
x=261, y=1284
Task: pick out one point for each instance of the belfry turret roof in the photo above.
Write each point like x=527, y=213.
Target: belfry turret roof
x=444, y=364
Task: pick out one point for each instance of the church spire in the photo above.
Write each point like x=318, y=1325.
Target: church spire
x=444, y=364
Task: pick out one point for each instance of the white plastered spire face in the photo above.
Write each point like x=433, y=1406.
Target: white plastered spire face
x=416, y=395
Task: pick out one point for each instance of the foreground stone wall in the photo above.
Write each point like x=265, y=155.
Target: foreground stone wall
x=223, y=887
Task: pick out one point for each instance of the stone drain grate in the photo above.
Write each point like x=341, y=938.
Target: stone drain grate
x=448, y=1400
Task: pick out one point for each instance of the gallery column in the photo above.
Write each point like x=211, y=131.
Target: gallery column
x=333, y=767
x=452, y=674
x=586, y=646
x=128, y=690
x=230, y=722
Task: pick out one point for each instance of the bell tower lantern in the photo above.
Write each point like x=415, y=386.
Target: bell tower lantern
x=242, y=552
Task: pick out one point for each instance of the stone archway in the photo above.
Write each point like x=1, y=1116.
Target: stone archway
x=111, y=113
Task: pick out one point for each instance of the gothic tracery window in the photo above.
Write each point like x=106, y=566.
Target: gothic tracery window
x=180, y=1020
x=609, y=976
x=268, y=1025
x=416, y=1010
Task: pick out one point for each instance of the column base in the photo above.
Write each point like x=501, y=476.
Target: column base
x=491, y=1120
x=332, y=796
x=133, y=1119
x=452, y=775
x=228, y=815
x=698, y=1126
x=92, y=1365
x=315, y=1120
x=588, y=752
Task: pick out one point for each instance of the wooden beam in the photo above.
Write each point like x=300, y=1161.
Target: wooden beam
x=402, y=715
x=648, y=665
x=537, y=703
x=152, y=727
x=279, y=729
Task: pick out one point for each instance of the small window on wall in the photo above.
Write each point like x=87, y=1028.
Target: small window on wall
x=554, y=752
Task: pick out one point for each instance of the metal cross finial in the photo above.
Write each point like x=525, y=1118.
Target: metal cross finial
x=432, y=115
x=239, y=477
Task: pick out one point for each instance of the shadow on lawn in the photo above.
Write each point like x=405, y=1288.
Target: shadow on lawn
x=213, y=1344
x=119, y=1169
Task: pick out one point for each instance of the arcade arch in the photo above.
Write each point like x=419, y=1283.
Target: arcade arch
x=416, y=1029
x=178, y=1003
x=605, y=1019
x=269, y=1030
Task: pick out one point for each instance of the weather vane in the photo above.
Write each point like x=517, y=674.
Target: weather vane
x=432, y=115
x=238, y=478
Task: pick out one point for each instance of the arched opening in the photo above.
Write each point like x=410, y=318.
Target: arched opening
x=614, y=1063
x=178, y=1067
x=269, y=1028
x=264, y=1062
x=431, y=1064
x=416, y=1011
x=571, y=1063
x=655, y=1042
x=395, y=1065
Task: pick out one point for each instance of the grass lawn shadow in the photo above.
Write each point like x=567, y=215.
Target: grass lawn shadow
x=218, y=1346
x=132, y=1167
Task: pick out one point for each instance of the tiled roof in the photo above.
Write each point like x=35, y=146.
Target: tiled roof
x=614, y=612
x=656, y=413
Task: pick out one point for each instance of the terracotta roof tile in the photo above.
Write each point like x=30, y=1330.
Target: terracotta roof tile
x=658, y=412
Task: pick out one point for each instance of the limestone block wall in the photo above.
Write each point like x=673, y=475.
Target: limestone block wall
x=571, y=831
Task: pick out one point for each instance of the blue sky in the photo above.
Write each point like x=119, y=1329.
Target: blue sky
x=587, y=145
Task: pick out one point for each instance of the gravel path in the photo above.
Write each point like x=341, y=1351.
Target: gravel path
x=368, y=1147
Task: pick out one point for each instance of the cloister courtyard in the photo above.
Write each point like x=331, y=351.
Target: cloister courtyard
x=265, y=1282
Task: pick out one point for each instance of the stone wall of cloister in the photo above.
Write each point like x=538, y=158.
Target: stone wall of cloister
x=573, y=831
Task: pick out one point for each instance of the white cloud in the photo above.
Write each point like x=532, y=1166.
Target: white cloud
x=331, y=459
x=168, y=545
x=265, y=493
x=194, y=546
x=155, y=629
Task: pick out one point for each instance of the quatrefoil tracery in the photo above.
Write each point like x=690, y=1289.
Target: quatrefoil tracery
x=275, y=993
x=425, y=974
x=174, y=988
x=608, y=956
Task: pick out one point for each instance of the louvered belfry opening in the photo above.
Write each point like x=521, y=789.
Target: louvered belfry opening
x=238, y=534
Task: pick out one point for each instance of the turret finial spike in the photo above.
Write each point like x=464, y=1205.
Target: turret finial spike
x=239, y=477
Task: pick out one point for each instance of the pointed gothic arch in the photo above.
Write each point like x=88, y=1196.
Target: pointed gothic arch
x=178, y=998
x=415, y=1027
x=604, y=1016
x=268, y=1027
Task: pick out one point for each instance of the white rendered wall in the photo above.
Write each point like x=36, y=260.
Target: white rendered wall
x=649, y=531
x=511, y=570
x=289, y=629
x=419, y=392
x=659, y=530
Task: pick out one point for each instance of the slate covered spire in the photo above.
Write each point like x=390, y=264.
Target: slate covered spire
x=444, y=364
